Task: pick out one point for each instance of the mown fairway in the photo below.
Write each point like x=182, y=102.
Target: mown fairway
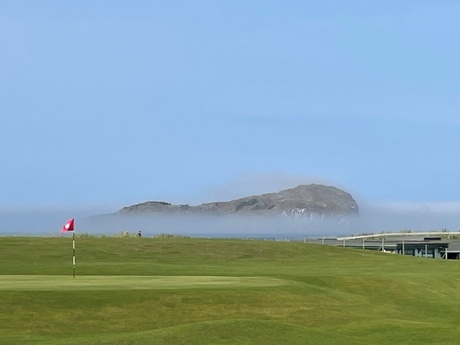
x=195, y=291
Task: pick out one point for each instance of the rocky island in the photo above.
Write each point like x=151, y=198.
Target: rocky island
x=303, y=200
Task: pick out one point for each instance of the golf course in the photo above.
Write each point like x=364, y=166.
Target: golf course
x=221, y=291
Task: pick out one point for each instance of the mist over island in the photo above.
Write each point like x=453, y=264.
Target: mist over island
x=302, y=211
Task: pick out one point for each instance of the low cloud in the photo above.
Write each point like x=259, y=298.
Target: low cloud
x=373, y=218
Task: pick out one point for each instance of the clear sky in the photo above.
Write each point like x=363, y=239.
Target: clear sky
x=119, y=102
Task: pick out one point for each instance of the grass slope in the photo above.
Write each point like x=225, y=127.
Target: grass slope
x=195, y=291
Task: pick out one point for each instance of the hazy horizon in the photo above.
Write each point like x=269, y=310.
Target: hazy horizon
x=372, y=218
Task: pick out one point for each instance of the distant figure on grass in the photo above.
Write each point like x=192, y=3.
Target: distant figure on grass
x=139, y=233
x=125, y=234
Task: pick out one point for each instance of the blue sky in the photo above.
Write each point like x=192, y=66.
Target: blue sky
x=109, y=103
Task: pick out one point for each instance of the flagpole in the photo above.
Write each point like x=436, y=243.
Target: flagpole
x=70, y=226
x=73, y=258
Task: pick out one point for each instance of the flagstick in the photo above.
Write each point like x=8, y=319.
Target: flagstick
x=70, y=226
x=73, y=245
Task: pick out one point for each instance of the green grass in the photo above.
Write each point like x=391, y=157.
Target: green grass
x=196, y=291
x=54, y=283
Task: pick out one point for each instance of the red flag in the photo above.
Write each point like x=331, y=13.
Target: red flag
x=68, y=226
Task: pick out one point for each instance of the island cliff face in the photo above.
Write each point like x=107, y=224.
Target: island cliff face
x=304, y=200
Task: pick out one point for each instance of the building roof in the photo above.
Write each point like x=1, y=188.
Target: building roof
x=454, y=247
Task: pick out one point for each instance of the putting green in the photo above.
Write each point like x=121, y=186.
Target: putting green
x=54, y=282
